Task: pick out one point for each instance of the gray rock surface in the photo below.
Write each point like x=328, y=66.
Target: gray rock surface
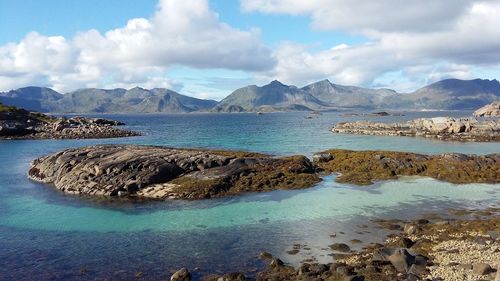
x=161, y=173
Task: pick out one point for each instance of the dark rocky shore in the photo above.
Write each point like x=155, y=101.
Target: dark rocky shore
x=171, y=173
x=16, y=123
x=443, y=128
x=464, y=246
x=161, y=173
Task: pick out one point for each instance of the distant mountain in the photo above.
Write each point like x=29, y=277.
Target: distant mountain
x=32, y=98
x=347, y=96
x=135, y=100
x=274, y=96
x=451, y=94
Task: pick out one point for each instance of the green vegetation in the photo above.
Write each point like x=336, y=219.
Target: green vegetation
x=26, y=114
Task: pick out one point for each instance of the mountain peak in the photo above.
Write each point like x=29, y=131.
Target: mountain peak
x=276, y=83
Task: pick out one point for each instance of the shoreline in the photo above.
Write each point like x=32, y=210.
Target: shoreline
x=462, y=244
x=20, y=124
x=442, y=128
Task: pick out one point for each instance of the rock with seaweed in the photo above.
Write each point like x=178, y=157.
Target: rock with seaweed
x=161, y=173
x=365, y=167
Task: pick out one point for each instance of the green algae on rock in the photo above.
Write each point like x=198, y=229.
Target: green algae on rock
x=161, y=173
x=365, y=167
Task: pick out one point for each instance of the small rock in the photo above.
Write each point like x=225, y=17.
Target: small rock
x=481, y=269
x=480, y=240
x=340, y=247
x=236, y=276
x=410, y=229
x=401, y=260
x=181, y=275
x=322, y=157
x=265, y=256
x=344, y=270
x=412, y=277
x=383, y=254
x=418, y=270
x=467, y=266
x=276, y=263
x=354, y=278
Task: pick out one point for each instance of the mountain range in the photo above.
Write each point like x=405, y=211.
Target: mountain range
x=449, y=94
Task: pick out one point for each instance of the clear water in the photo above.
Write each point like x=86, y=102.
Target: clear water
x=45, y=234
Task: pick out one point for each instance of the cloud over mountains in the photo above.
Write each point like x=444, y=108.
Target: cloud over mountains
x=184, y=33
x=444, y=38
x=414, y=42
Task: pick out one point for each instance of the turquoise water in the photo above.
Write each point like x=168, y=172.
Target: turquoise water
x=50, y=235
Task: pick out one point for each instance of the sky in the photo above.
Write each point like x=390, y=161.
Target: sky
x=208, y=48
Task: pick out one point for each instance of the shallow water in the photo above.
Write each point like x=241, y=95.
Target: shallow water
x=45, y=234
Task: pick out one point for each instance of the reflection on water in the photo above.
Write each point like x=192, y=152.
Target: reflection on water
x=45, y=234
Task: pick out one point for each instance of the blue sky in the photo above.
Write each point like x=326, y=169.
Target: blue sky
x=209, y=48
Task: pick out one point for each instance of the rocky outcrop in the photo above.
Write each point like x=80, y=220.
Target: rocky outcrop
x=365, y=167
x=489, y=110
x=443, y=128
x=161, y=173
x=17, y=123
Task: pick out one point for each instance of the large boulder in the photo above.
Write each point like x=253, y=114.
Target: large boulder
x=489, y=110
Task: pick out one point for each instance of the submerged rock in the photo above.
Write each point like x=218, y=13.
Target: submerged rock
x=340, y=247
x=163, y=173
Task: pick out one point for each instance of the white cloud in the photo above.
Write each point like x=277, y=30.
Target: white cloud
x=471, y=40
x=184, y=33
x=368, y=15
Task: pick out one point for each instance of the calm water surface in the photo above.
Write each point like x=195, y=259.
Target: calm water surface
x=46, y=235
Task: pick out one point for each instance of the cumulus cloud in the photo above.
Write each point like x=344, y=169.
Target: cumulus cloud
x=184, y=33
x=470, y=39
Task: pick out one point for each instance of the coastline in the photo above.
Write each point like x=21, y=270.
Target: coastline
x=460, y=245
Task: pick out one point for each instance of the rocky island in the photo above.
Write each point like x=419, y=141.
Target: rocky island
x=443, y=128
x=170, y=173
x=17, y=123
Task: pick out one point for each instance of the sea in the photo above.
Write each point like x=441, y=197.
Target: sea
x=48, y=235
